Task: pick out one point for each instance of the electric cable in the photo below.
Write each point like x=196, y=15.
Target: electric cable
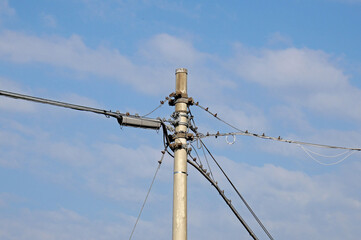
x=123, y=119
x=231, y=183
x=155, y=109
x=195, y=150
x=60, y=104
x=205, y=156
x=146, y=197
x=227, y=201
x=246, y=133
x=166, y=143
x=238, y=193
x=309, y=153
x=216, y=116
x=204, y=153
x=279, y=139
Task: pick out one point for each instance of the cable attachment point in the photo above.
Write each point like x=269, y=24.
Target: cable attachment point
x=187, y=136
x=176, y=146
x=234, y=139
x=179, y=97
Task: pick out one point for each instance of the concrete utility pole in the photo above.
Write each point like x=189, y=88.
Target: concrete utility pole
x=180, y=158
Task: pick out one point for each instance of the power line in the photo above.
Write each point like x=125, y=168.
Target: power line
x=166, y=143
x=246, y=133
x=123, y=119
x=203, y=146
x=194, y=128
x=309, y=153
x=146, y=197
x=227, y=201
x=279, y=139
x=216, y=116
x=240, y=196
x=155, y=109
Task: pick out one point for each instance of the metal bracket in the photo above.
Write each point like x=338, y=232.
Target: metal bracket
x=175, y=146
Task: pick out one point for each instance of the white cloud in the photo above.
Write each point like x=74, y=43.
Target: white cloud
x=73, y=54
x=52, y=224
x=291, y=201
x=172, y=50
x=301, y=76
x=299, y=68
x=286, y=201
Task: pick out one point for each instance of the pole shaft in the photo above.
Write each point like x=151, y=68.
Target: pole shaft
x=180, y=162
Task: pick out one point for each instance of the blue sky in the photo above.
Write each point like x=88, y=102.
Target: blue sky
x=287, y=68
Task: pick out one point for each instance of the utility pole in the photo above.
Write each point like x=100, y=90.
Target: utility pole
x=180, y=157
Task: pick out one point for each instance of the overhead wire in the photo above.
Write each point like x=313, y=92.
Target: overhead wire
x=203, y=146
x=226, y=200
x=146, y=197
x=166, y=142
x=309, y=153
x=238, y=193
x=198, y=157
x=204, y=153
x=279, y=139
x=263, y=136
x=155, y=109
x=60, y=104
x=216, y=116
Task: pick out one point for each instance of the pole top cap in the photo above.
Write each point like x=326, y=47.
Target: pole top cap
x=181, y=70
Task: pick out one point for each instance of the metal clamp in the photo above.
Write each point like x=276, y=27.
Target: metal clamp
x=180, y=172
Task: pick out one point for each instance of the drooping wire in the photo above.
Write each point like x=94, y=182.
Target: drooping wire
x=155, y=109
x=226, y=200
x=198, y=157
x=246, y=133
x=146, y=197
x=204, y=153
x=236, y=190
x=166, y=143
x=205, y=156
x=279, y=139
x=309, y=153
x=325, y=156
x=216, y=116
x=194, y=129
x=228, y=179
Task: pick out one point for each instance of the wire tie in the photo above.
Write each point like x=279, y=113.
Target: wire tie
x=234, y=139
